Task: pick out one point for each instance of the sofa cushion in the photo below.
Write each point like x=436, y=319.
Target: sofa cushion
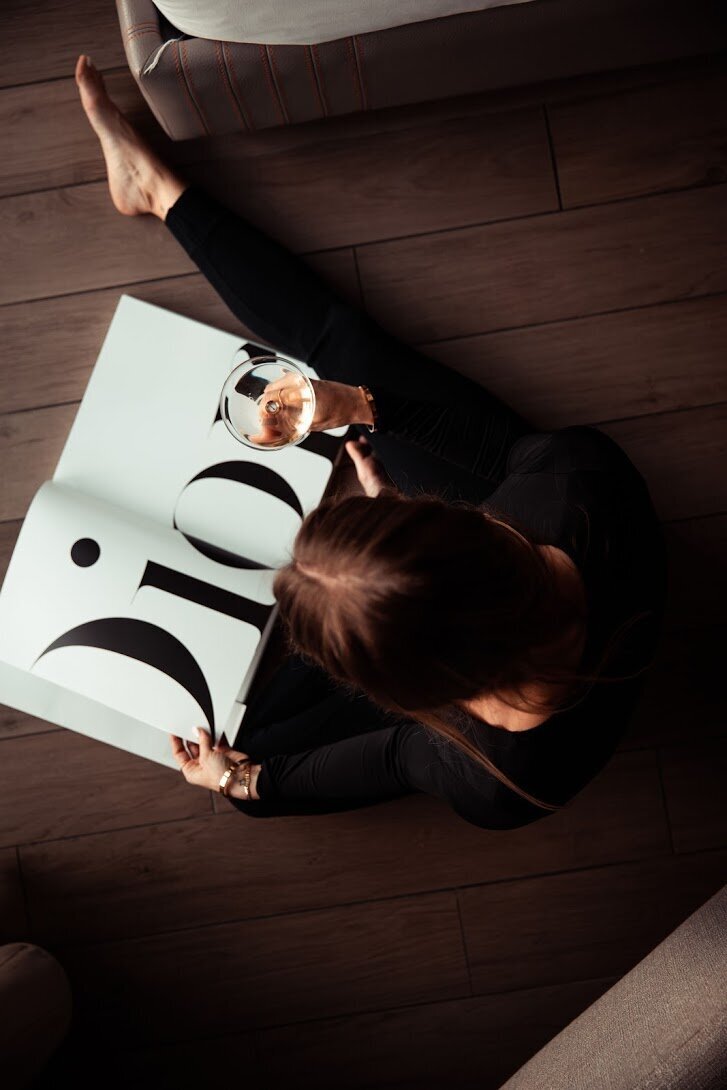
x=306, y=22
x=663, y=1026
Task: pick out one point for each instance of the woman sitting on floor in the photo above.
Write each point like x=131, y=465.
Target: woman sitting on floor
x=478, y=624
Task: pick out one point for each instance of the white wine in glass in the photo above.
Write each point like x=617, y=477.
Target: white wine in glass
x=268, y=403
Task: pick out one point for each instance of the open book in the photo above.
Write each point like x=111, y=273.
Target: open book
x=138, y=599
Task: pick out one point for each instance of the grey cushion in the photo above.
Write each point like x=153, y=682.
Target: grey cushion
x=663, y=1026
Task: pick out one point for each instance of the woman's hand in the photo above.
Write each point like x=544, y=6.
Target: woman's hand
x=337, y=404
x=369, y=470
x=207, y=763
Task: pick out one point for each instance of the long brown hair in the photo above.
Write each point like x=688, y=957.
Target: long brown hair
x=423, y=603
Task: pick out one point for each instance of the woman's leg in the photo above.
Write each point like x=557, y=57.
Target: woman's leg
x=279, y=297
x=456, y=436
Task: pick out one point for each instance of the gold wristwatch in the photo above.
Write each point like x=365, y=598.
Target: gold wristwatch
x=370, y=398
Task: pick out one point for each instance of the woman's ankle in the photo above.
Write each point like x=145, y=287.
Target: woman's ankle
x=170, y=191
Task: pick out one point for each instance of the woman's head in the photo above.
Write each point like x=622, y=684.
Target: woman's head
x=423, y=604
x=416, y=601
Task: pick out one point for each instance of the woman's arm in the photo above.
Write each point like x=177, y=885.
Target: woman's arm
x=418, y=399
x=276, y=294
x=366, y=769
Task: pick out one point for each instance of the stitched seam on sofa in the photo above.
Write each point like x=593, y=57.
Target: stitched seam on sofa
x=188, y=99
x=268, y=78
x=226, y=84
x=314, y=78
x=354, y=70
x=229, y=65
x=277, y=82
x=138, y=26
x=141, y=33
x=193, y=90
x=358, y=48
x=318, y=69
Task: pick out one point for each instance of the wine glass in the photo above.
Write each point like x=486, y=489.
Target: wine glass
x=268, y=403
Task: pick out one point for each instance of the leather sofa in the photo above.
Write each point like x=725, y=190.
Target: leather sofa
x=198, y=86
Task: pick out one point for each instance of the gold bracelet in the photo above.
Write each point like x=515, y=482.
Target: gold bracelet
x=224, y=784
x=370, y=398
x=247, y=776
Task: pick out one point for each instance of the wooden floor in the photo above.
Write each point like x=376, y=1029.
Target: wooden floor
x=564, y=245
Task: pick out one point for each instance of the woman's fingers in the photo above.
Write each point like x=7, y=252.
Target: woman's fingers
x=370, y=471
x=205, y=744
x=359, y=450
x=178, y=751
x=267, y=436
x=235, y=755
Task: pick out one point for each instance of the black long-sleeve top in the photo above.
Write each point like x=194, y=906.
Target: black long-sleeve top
x=574, y=488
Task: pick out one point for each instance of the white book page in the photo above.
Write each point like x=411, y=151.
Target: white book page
x=51, y=702
x=110, y=605
x=148, y=438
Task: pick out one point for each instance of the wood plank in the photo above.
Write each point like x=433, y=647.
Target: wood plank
x=683, y=696
x=8, y=536
x=13, y=920
x=46, y=43
x=681, y=456
x=14, y=724
x=84, y=786
x=31, y=444
x=465, y=1044
x=49, y=141
x=55, y=364
x=73, y=239
x=87, y=889
x=554, y=373
x=434, y=175
x=182, y=1066
x=85, y=243
x=271, y=971
x=549, y=267
x=694, y=785
x=550, y=930
x=667, y=136
x=698, y=570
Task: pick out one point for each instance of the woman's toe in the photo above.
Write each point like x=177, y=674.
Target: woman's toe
x=91, y=85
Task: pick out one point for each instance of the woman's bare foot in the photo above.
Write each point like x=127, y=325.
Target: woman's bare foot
x=138, y=180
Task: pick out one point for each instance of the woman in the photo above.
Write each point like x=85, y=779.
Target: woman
x=477, y=625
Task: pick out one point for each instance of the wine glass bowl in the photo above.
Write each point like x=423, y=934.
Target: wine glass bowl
x=268, y=403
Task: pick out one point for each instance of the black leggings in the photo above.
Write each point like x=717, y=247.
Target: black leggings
x=287, y=305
